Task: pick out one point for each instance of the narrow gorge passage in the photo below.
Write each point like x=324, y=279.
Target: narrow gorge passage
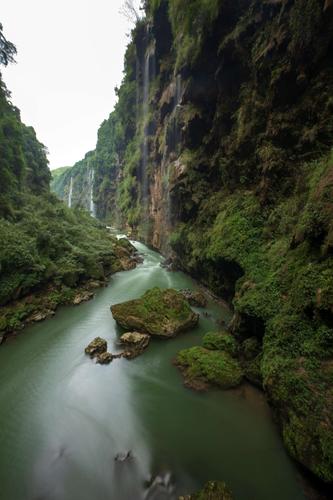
x=63, y=418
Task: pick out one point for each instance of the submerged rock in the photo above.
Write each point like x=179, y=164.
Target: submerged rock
x=135, y=343
x=104, y=358
x=213, y=490
x=195, y=298
x=202, y=367
x=161, y=313
x=96, y=346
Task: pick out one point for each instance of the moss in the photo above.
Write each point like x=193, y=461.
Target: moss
x=191, y=22
x=213, y=490
x=213, y=367
x=220, y=341
x=158, y=312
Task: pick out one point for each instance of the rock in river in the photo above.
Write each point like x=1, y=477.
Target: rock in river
x=161, y=313
x=135, y=343
x=104, y=358
x=97, y=346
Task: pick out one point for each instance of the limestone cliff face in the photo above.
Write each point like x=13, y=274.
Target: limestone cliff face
x=218, y=153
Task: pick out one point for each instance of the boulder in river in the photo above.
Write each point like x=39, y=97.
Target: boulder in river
x=96, y=346
x=104, y=358
x=161, y=313
x=135, y=343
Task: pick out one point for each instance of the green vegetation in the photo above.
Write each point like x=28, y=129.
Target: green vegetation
x=220, y=341
x=201, y=366
x=213, y=490
x=191, y=23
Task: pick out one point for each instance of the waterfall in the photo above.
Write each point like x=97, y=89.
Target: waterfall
x=92, y=207
x=145, y=151
x=70, y=193
x=178, y=89
x=148, y=75
x=177, y=104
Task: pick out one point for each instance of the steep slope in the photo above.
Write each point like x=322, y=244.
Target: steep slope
x=218, y=153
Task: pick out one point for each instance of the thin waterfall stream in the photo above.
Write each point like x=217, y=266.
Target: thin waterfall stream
x=70, y=193
x=64, y=419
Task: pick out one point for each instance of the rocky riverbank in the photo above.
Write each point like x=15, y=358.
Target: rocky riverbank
x=43, y=303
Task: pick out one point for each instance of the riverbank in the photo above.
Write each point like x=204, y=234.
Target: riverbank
x=42, y=304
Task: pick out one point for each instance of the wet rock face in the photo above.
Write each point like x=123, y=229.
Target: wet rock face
x=96, y=347
x=160, y=313
x=134, y=343
x=202, y=367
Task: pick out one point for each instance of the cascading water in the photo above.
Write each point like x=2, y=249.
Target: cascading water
x=175, y=145
x=70, y=193
x=92, y=206
x=148, y=75
x=177, y=104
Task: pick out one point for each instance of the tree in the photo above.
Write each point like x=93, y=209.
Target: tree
x=130, y=11
x=7, y=49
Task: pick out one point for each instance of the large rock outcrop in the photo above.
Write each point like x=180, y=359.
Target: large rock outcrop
x=160, y=313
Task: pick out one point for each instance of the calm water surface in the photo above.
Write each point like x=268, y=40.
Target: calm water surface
x=63, y=419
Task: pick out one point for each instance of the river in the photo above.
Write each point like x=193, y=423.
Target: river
x=63, y=419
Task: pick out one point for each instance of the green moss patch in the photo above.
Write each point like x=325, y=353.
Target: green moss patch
x=202, y=367
x=221, y=341
x=163, y=313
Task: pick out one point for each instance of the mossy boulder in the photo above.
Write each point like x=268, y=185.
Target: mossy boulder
x=213, y=490
x=161, y=313
x=202, y=367
x=96, y=347
x=221, y=341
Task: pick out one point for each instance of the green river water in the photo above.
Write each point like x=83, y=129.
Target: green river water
x=63, y=419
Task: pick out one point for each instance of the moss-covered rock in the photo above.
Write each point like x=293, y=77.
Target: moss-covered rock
x=202, y=367
x=221, y=341
x=161, y=313
x=213, y=490
x=96, y=347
